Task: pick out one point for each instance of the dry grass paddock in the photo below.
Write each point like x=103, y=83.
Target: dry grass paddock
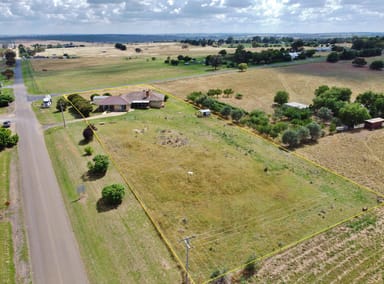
x=259, y=85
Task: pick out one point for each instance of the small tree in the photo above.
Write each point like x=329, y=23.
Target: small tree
x=353, y=114
x=325, y=113
x=61, y=104
x=8, y=73
x=243, y=66
x=237, y=114
x=7, y=139
x=250, y=267
x=239, y=96
x=6, y=99
x=100, y=165
x=359, y=62
x=226, y=111
x=303, y=134
x=333, y=57
x=88, y=134
x=314, y=130
x=376, y=65
x=113, y=194
x=281, y=97
x=290, y=138
x=228, y=92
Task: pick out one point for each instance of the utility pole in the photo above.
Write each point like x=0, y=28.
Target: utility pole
x=62, y=113
x=187, y=248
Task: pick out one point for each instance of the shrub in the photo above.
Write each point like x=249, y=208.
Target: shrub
x=94, y=95
x=61, y=104
x=88, y=150
x=113, y=194
x=7, y=139
x=100, y=165
x=250, y=267
x=239, y=96
x=88, y=134
x=290, y=138
x=376, y=65
x=5, y=100
x=333, y=57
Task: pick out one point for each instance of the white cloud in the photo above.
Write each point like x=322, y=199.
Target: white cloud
x=135, y=16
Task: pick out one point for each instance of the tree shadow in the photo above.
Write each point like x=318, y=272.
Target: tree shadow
x=103, y=206
x=84, y=142
x=91, y=176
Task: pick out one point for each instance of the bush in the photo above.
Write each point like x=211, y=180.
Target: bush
x=376, y=65
x=239, y=96
x=94, y=95
x=88, y=150
x=88, y=134
x=100, y=165
x=61, y=104
x=290, y=138
x=250, y=267
x=7, y=139
x=113, y=194
x=333, y=57
x=5, y=100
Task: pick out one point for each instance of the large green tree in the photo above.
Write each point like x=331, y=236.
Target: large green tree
x=353, y=114
x=113, y=194
x=281, y=97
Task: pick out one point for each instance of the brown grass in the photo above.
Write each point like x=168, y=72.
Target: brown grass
x=260, y=85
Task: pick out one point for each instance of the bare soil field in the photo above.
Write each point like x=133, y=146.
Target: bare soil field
x=259, y=85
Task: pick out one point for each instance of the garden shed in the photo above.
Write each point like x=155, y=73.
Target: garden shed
x=373, y=123
x=296, y=105
x=204, y=113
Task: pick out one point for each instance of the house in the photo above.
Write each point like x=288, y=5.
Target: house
x=373, y=123
x=134, y=100
x=113, y=103
x=155, y=100
x=296, y=105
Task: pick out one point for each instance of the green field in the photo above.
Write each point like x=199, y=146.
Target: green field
x=245, y=196
x=59, y=76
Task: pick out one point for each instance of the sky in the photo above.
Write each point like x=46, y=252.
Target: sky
x=31, y=17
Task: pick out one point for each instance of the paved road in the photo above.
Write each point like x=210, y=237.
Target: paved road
x=54, y=251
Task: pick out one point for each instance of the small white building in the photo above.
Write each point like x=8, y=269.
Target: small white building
x=204, y=113
x=296, y=105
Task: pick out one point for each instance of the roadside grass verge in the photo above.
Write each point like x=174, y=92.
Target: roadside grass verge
x=7, y=271
x=29, y=78
x=5, y=158
x=245, y=196
x=7, y=267
x=118, y=245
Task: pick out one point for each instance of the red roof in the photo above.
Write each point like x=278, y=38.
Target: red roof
x=113, y=101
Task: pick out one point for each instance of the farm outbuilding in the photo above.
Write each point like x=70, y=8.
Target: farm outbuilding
x=204, y=113
x=373, y=123
x=296, y=105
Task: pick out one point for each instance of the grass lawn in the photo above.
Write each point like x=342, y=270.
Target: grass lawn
x=245, y=195
x=58, y=76
x=118, y=246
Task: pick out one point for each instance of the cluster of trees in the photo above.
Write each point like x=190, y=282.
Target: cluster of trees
x=374, y=102
x=180, y=58
x=7, y=140
x=25, y=51
x=80, y=104
x=120, y=46
x=241, y=55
